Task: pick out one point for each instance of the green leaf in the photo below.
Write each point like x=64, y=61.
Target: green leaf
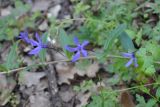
x=146, y=63
x=150, y=70
x=81, y=7
x=158, y=92
x=144, y=89
x=154, y=49
x=113, y=35
x=131, y=33
x=20, y=8
x=126, y=42
x=65, y=40
x=2, y=68
x=109, y=42
x=139, y=37
x=151, y=103
x=113, y=81
x=42, y=53
x=141, y=101
x=11, y=61
x=83, y=65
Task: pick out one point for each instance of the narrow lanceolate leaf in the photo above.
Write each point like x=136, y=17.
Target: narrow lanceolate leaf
x=11, y=61
x=110, y=40
x=42, y=53
x=126, y=42
x=158, y=92
x=2, y=68
x=64, y=41
x=113, y=35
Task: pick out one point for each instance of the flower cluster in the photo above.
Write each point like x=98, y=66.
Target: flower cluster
x=38, y=44
x=78, y=49
x=132, y=57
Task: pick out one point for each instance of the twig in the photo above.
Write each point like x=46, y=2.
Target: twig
x=75, y=19
x=54, y=62
x=146, y=85
x=136, y=87
x=44, y=63
x=52, y=83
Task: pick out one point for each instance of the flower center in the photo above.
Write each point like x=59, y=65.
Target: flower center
x=79, y=47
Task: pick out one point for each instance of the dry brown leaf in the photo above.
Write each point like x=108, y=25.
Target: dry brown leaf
x=83, y=98
x=43, y=26
x=59, y=56
x=39, y=100
x=27, y=60
x=7, y=84
x=126, y=99
x=64, y=73
x=54, y=10
x=30, y=78
x=41, y=5
x=78, y=71
x=90, y=71
x=6, y=11
x=66, y=93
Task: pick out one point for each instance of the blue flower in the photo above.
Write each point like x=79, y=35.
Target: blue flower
x=132, y=57
x=38, y=44
x=78, y=49
x=24, y=36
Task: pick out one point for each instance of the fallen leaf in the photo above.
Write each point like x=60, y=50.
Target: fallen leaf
x=39, y=100
x=27, y=60
x=66, y=92
x=30, y=78
x=64, y=73
x=55, y=10
x=43, y=26
x=126, y=99
x=59, y=56
x=41, y=5
x=83, y=98
x=7, y=84
x=6, y=11
x=90, y=71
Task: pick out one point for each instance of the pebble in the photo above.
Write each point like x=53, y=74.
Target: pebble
x=43, y=26
x=54, y=10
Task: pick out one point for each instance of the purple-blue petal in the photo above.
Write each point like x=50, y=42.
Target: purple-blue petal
x=84, y=43
x=135, y=62
x=44, y=46
x=70, y=49
x=129, y=62
x=38, y=38
x=127, y=55
x=21, y=35
x=84, y=52
x=76, y=56
x=35, y=51
x=33, y=42
x=76, y=41
x=27, y=40
x=24, y=36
